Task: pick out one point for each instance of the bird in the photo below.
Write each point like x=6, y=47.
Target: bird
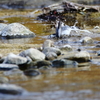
x=62, y=29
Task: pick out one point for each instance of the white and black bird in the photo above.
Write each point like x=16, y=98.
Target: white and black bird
x=63, y=30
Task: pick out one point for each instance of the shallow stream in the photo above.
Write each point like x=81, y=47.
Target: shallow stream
x=81, y=83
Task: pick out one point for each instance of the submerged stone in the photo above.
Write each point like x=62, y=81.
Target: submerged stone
x=31, y=72
x=64, y=63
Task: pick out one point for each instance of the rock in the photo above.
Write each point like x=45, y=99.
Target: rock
x=66, y=48
x=51, y=49
x=15, y=30
x=50, y=55
x=43, y=63
x=14, y=59
x=3, y=80
x=31, y=72
x=7, y=66
x=1, y=56
x=96, y=27
x=2, y=26
x=11, y=89
x=48, y=43
x=86, y=40
x=82, y=56
x=98, y=53
x=34, y=54
x=64, y=63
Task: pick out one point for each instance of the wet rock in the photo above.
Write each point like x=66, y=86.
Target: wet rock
x=51, y=49
x=11, y=89
x=50, y=55
x=98, y=53
x=14, y=59
x=43, y=63
x=1, y=58
x=31, y=72
x=66, y=48
x=48, y=43
x=82, y=56
x=86, y=40
x=7, y=66
x=16, y=30
x=4, y=80
x=96, y=27
x=29, y=65
x=34, y=54
x=2, y=26
x=64, y=63
x=84, y=64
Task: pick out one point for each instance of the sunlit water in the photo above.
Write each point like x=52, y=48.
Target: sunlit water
x=81, y=83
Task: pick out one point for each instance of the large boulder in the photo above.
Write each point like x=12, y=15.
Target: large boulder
x=15, y=30
x=34, y=54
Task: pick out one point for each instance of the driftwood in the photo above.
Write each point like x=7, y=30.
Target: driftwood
x=59, y=10
x=70, y=6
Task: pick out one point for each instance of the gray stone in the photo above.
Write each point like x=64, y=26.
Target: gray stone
x=31, y=72
x=98, y=53
x=66, y=48
x=43, y=63
x=7, y=66
x=82, y=56
x=14, y=59
x=50, y=55
x=2, y=26
x=11, y=89
x=64, y=63
x=4, y=80
x=86, y=40
x=48, y=43
x=52, y=49
x=16, y=30
x=34, y=54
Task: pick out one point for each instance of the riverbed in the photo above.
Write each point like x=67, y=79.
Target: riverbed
x=80, y=83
